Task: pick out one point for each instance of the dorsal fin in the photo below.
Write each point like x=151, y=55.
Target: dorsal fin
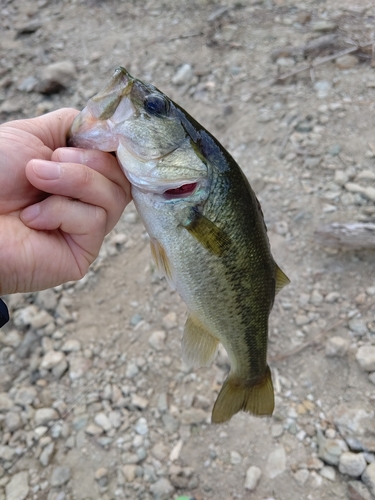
x=281, y=279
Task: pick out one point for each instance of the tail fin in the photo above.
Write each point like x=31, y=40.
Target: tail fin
x=235, y=395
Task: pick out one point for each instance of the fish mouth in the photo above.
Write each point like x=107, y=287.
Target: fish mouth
x=168, y=190
x=183, y=191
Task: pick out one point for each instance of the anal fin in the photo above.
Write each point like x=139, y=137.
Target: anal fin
x=199, y=347
x=237, y=395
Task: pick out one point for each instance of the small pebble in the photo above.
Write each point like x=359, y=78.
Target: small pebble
x=253, y=475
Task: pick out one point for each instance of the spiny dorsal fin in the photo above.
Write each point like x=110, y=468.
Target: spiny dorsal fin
x=199, y=347
x=281, y=279
x=237, y=395
x=214, y=239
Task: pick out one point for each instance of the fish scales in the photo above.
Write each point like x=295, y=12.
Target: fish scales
x=206, y=226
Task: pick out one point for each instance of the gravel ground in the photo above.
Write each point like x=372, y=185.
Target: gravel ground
x=95, y=402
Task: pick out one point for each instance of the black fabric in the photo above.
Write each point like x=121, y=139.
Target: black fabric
x=4, y=314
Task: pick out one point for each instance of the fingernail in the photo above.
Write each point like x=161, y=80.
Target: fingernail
x=70, y=155
x=47, y=170
x=30, y=213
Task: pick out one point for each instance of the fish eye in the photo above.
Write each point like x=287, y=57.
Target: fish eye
x=156, y=105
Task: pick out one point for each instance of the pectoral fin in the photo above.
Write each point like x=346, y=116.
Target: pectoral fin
x=236, y=395
x=199, y=347
x=281, y=279
x=207, y=233
x=163, y=264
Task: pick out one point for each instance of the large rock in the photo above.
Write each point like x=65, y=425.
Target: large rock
x=276, y=462
x=253, y=475
x=51, y=359
x=45, y=415
x=60, y=476
x=356, y=426
x=352, y=464
x=366, y=357
x=358, y=491
x=193, y=416
x=336, y=346
x=329, y=450
x=78, y=367
x=6, y=402
x=368, y=477
x=162, y=489
x=18, y=487
x=56, y=77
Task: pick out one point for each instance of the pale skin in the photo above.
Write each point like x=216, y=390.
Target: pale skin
x=56, y=203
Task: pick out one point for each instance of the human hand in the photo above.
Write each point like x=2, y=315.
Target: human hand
x=56, y=203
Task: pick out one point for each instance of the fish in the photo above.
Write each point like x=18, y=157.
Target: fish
x=207, y=231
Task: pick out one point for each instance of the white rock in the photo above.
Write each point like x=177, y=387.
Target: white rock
x=18, y=486
x=157, y=339
x=162, y=489
x=115, y=419
x=276, y=462
x=336, y=346
x=301, y=476
x=332, y=297
x=129, y=472
x=170, y=320
x=139, y=401
x=41, y=319
x=47, y=299
x=58, y=73
x=51, y=359
x=160, y=451
x=6, y=402
x=328, y=472
x=7, y=453
x=12, y=339
x=316, y=298
x=13, y=421
x=369, y=192
x=131, y=370
x=235, y=458
x=176, y=450
x=60, y=475
x=141, y=426
x=366, y=357
x=78, y=367
x=183, y=75
x=358, y=327
x=46, y=455
x=103, y=421
x=24, y=316
x=352, y=464
x=24, y=396
x=59, y=370
x=71, y=345
x=253, y=475
x=368, y=477
x=45, y=415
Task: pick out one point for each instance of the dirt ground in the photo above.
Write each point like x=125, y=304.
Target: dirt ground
x=303, y=143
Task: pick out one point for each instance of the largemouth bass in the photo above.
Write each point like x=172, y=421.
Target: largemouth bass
x=206, y=227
